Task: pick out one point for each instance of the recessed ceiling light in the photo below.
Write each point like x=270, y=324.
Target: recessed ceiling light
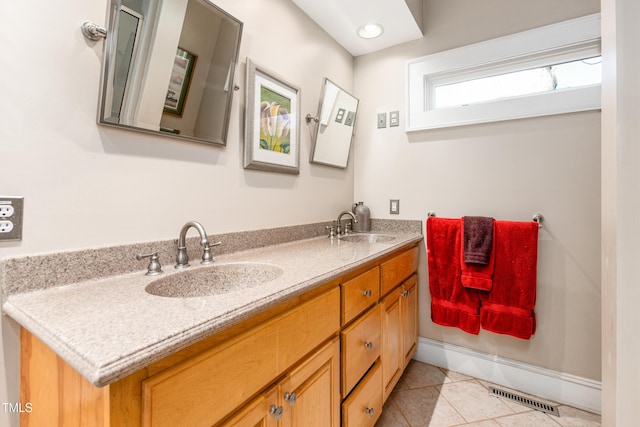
x=370, y=31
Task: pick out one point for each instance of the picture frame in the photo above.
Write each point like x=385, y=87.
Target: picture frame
x=179, y=82
x=272, y=122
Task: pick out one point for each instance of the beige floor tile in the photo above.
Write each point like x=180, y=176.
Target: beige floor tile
x=528, y=419
x=572, y=417
x=485, y=423
x=420, y=374
x=435, y=397
x=424, y=407
x=473, y=402
x=455, y=376
x=391, y=416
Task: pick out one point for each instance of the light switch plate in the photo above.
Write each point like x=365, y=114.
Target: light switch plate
x=382, y=120
x=394, y=118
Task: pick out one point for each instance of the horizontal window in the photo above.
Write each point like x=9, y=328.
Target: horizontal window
x=569, y=75
x=548, y=70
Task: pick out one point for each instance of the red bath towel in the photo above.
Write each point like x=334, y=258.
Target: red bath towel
x=451, y=303
x=474, y=275
x=508, y=308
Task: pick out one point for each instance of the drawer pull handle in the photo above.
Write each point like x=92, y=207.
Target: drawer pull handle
x=367, y=293
x=276, y=411
x=291, y=398
x=405, y=293
x=369, y=411
x=368, y=345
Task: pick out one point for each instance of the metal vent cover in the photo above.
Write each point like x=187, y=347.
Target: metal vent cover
x=531, y=403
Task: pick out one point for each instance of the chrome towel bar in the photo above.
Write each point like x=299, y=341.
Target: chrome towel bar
x=537, y=217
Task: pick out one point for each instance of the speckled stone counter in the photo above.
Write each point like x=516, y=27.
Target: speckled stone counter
x=110, y=327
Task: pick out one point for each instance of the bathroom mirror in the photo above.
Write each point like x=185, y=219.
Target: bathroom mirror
x=169, y=68
x=335, y=126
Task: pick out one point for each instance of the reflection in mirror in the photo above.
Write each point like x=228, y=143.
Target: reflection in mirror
x=335, y=126
x=169, y=68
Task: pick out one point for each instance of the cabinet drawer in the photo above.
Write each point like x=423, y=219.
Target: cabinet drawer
x=197, y=392
x=364, y=406
x=361, y=343
x=394, y=271
x=360, y=293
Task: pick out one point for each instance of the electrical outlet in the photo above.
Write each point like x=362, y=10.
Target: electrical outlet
x=394, y=206
x=6, y=211
x=382, y=120
x=11, y=209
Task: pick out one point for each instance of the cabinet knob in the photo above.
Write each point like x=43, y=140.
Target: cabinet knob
x=291, y=398
x=369, y=411
x=367, y=293
x=406, y=293
x=276, y=411
x=368, y=345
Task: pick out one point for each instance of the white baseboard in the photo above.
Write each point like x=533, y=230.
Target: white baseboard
x=579, y=392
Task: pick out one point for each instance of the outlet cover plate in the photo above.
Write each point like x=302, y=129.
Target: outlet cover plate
x=394, y=206
x=16, y=218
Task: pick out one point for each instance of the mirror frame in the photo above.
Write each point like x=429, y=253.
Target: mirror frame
x=109, y=55
x=317, y=120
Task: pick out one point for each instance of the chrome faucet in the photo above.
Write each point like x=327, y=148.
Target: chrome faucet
x=339, y=229
x=182, y=259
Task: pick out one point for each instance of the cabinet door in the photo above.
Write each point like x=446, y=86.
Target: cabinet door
x=409, y=308
x=311, y=392
x=392, y=356
x=263, y=411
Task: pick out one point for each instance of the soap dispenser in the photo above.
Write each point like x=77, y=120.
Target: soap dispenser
x=363, y=215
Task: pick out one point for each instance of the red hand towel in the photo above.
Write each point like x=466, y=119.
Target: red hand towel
x=478, y=276
x=451, y=303
x=508, y=308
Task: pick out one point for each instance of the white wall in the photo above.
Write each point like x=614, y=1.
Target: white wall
x=507, y=170
x=91, y=186
x=86, y=185
x=620, y=212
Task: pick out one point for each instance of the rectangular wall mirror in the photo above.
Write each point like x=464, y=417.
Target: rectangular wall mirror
x=335, y=126
x=169, y=68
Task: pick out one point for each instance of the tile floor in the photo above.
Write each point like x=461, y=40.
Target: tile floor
x=434, y=397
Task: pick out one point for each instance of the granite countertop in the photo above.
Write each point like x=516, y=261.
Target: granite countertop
x=109, y=328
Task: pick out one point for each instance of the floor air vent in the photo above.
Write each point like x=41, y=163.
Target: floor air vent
x=531, y=403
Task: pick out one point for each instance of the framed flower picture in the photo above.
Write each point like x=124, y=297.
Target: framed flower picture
x=272, y=134
x=179, y=82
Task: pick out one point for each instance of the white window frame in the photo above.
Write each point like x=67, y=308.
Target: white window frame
x=553, y=44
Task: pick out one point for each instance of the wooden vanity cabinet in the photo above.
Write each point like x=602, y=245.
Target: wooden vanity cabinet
x=339, y=348
x=378, y=343
x=200, y=385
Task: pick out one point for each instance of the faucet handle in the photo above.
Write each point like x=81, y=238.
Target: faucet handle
x=154, y=267
x=347, y=227
x=207, y=258
x=332, y=229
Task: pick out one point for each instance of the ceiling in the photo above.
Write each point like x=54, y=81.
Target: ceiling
x=342, y=18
